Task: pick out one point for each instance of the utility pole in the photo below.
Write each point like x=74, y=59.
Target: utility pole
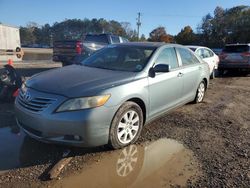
x=138, y=23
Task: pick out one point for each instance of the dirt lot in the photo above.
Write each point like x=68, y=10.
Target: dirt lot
x=215, y=135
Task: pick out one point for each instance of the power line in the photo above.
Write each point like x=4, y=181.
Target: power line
x=173, y=15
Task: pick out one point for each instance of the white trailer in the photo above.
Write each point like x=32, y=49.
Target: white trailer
x=10, y=47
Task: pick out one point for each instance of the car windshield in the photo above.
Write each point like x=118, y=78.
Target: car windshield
x=236, y=48
x=193, y=49
x=121, y=58
x=96, y=38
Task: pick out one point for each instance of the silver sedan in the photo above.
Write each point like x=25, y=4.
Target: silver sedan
x=110, y=96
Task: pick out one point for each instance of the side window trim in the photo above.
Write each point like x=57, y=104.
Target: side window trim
x=176, y=55
x=180, y=59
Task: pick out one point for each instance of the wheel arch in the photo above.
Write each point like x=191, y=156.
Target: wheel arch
x=142, y=105
x=206, y=82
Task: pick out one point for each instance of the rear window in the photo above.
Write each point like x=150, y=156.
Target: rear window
x=236, y=48
x=97, y=39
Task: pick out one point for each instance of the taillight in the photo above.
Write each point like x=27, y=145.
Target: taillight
x=78, y=48
x=246, y=54
x=15, y=94
x=223, y=55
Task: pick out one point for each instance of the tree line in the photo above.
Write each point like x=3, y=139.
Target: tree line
x=224, y=26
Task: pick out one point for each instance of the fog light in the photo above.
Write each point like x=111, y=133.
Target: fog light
x=73, y=137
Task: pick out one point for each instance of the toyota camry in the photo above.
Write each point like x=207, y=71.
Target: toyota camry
x=111, y=95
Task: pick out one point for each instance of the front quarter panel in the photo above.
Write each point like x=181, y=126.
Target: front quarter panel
x=122, y=93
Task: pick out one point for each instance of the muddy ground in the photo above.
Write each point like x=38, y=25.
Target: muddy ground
x=215, y=133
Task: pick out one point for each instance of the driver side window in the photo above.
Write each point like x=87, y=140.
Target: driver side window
x=168, y=56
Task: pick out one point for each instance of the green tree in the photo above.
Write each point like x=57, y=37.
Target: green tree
x=186, y=36
x=159, y=34
x=226, y=26
x=143, y=38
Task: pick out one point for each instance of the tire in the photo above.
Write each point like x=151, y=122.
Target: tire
x=64, y=64
x=200, y=93
x=220, y=72
x=123, y=123
x=212, y=76
x=18, y=49
x=18, y=56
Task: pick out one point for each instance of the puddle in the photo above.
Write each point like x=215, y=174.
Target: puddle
x=11, y=140
x=157, y=164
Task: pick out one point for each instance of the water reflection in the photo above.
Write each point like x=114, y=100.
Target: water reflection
x=161, y=163
x=18, y=150
x=11, y=140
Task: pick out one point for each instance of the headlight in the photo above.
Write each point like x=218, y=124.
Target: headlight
x=83, y=103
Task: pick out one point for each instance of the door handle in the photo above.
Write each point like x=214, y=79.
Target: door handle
x=180, y=74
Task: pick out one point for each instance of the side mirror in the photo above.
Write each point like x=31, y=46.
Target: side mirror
x=158, y=68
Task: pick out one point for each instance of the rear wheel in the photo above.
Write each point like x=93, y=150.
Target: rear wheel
x=18, y=49
x=220, y=72
x=200, y=92
x=126, y=125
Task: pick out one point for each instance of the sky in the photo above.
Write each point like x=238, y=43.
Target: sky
x=171, y=14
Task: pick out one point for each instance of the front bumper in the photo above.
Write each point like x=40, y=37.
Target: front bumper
x=84, y=128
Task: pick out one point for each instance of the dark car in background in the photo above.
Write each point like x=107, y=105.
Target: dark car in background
x=74, y=51
x=235, y=57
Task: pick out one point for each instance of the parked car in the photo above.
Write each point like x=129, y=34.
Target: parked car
x=110, y=96
x=74, y=51
x=235, y=57
x=208, y=56
x=217, y=51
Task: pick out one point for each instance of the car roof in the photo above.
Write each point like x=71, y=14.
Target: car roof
x=148, y=44
x=195, y=47
x=238, y=44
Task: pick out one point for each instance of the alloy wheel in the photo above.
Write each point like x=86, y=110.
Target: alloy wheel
x=128, y=127
x=127, y=161
x=201, y=91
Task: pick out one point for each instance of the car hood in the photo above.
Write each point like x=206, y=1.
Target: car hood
x=77, y=80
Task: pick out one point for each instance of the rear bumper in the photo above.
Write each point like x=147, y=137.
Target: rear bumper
x=223, y=65
x=62, y=58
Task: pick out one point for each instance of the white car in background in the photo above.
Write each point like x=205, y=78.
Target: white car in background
x=208, y=56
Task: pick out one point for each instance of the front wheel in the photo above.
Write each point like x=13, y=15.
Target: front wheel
x=200, y=93
x=126, y=125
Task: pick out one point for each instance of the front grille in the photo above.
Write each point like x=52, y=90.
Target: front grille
x=36, y=104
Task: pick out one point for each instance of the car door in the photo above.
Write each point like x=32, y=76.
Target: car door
x=208, y=57
x=191, y=69
x=165, y=88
